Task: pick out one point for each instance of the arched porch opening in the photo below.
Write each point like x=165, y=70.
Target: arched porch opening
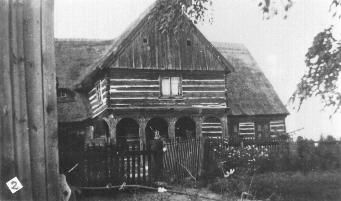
x=185, y=128
x=156, y=124
x=127, y=132
x=212, y=127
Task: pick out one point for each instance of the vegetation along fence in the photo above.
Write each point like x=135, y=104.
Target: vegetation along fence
x=231, y=153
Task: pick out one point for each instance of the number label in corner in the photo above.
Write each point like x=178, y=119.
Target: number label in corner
x=14, y=185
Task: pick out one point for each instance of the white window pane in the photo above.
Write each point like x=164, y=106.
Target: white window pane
x=165, y=84
x=175, y=86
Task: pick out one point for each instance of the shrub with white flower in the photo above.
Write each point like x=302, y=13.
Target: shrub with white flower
x=246, y=157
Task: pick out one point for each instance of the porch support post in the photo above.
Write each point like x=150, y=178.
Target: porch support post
x=171, y=127
x=112, y=122
x=142, y=131
x=224, y=122
x=198, y=126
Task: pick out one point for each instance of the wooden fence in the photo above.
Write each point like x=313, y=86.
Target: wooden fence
x=182, y=159
x=112, y=165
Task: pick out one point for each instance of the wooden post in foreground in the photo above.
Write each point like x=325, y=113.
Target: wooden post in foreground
x=28, y=110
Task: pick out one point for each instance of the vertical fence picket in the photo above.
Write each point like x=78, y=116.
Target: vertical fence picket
x=144, y=165
x=133, y=164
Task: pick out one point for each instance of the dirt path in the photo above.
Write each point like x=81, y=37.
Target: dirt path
x=146, y=196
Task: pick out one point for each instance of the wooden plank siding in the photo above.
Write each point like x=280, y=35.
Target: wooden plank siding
x=212, y=128
x=150, y=49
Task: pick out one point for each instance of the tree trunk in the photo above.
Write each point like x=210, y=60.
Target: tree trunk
x=28, y=118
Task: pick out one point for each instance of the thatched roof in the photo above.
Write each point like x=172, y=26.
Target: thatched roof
x=249, y=91
x=72, y=58
x=75, y=56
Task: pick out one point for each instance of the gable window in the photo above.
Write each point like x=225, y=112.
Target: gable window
x=62, y=94
x=189, y=42
x=65, y=95
x=170, y=86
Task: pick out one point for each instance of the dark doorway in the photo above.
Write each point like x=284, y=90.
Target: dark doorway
x=185, y=128
x=101, y=129
x=127, y=132
x=158, y=124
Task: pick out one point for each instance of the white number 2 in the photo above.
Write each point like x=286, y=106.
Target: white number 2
x=14, y=185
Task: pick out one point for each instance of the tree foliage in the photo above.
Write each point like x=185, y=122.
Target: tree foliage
x=323, y=58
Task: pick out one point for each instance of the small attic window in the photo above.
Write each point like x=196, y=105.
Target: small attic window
x=62, y=94
x=145, y=41
x=189, y=43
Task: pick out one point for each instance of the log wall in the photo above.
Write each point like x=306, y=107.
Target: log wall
x=140, y=89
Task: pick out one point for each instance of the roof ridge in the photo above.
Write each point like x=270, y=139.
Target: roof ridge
x=83, y=39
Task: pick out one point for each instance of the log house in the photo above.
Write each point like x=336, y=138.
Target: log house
x=182, y=85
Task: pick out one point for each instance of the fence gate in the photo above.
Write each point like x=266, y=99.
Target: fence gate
x=182, y=159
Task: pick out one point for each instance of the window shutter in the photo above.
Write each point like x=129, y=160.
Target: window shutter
x=165, y=85
x=175, y=88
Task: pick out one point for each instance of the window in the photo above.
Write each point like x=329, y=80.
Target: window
x=189, y=42
x=62, y=94
x=170, y=86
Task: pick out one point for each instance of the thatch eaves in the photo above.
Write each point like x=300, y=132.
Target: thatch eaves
x=249, y=91
x=74, y=56
x=75, y=110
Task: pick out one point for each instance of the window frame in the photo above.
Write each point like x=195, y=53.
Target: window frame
x=179, y=95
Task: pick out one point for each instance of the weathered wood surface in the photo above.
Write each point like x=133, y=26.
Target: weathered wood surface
x=141, y=89
x=182, y=159
x=28, y=120
x=147, y=48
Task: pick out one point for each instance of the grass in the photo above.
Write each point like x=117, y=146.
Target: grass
x=293, y=186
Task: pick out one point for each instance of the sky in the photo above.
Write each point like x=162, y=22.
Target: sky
x=278, y=45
